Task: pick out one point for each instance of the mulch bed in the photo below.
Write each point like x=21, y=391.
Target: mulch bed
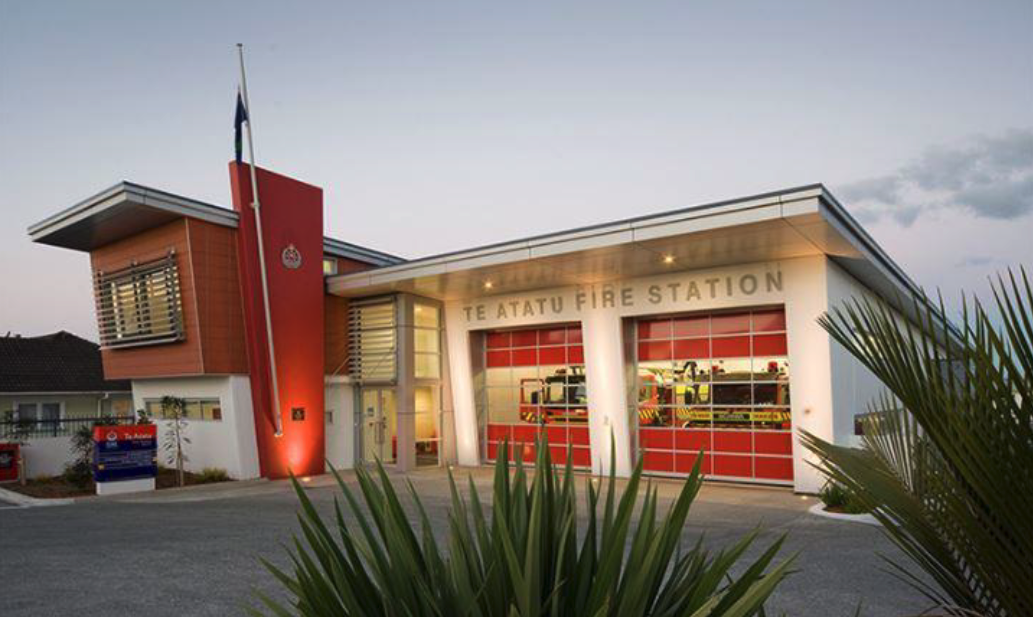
x=58, y=487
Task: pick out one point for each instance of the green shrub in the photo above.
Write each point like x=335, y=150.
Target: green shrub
x=79, y=472
x=835, y=496
x=211, y=474
x=524, y=555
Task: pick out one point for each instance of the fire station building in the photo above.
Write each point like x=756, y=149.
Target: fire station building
x=663, y=336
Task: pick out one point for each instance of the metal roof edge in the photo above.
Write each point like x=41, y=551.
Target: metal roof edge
x=141, y=194
x=348, y=250
x=854, y=227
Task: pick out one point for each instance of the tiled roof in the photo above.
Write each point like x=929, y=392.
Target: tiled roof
x=59, y=362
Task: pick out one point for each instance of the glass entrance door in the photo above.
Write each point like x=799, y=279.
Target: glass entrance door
x=379, y=425
x=428, y=426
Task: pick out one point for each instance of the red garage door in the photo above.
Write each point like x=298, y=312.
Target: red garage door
x=717, y=382
x=535, y=383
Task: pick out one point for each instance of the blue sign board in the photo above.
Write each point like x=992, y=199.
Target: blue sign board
x=125, y=452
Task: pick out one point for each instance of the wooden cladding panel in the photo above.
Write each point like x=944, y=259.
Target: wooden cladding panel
x=180, y=358
x=213, y=254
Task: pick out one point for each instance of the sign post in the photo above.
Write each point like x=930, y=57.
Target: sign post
x=125, y=458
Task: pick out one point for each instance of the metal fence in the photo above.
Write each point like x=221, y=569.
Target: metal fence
x=18, y=430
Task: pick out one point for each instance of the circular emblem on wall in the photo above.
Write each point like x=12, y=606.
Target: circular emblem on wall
x=291, y=257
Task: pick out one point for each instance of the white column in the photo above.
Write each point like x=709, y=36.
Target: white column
x=604, y=371
x=810, y=363
x=461, y=376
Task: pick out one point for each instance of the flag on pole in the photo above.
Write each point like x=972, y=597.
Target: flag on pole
x=238, y=123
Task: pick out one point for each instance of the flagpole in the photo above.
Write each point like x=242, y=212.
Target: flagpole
x=256, y=204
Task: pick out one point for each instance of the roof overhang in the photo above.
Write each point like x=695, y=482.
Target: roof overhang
x=127, y=209
x=123, y=210
x=774, y=226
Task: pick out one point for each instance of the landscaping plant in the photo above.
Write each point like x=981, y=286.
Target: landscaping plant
x=946, y=463
x=837, y=498
x=209, y=475
x=525, y=554
x=175, y=409
x=79, y=471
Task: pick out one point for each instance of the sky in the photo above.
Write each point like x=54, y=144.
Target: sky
x=437, y=126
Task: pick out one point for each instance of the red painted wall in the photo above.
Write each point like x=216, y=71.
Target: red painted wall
x=292, y=213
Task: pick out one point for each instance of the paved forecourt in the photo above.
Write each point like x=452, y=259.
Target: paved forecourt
x=195, y=551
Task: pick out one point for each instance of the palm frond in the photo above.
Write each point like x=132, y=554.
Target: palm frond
x=946, y=462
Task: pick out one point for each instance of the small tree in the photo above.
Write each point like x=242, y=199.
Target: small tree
x=143, y=416
x=174, y=409
x=79, y=471
x=15, y=430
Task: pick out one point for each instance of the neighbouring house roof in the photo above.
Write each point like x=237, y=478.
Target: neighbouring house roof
x=59, y=362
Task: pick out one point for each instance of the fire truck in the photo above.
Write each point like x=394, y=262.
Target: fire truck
x=686, y=402
x=561, y=397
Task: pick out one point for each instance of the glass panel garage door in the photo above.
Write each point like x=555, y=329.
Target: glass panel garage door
x=534, y=383
x=717, y=382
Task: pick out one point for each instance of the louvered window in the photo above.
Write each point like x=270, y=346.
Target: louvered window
x=139, y=305
x=372, y=341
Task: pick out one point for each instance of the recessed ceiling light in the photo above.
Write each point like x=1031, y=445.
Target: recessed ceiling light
x=488, y=284
x=668, y=259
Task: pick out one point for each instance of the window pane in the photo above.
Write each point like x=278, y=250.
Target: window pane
x=427, y=340
x=771, y=393
x=51, y=411
x=732, y=394
x=426, y=316
x=693, y=370
x=730, y=324
x=27, y=411
x=498, y=376
x=770, y=369
x=769, y=321
x=502, y=405
x=427, y=366
x=734, y=369
x=691, y=326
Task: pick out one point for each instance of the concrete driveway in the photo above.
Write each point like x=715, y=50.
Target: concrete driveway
x=195, y=551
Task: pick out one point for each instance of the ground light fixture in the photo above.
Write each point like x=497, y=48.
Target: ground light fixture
x=488, y=284
x=668, y=259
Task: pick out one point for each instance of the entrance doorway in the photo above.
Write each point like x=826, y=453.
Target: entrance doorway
x=428, y=426
x=379, y=426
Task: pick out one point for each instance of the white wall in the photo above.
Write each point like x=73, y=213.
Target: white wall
x=340, y=436
x=228, y=444
x=854, y=387
x=46, y=456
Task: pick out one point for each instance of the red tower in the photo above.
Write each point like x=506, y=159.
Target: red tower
x=292, y=233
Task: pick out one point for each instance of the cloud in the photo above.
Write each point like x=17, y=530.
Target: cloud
x=987, y=176
x=975, y=261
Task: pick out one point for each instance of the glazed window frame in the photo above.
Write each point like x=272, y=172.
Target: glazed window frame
x=140, y=304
